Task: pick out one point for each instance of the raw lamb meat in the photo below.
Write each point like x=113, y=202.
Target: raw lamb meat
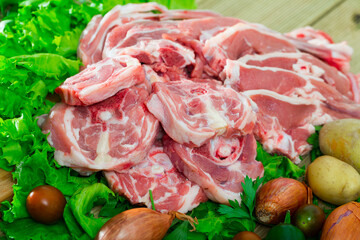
x=241, y=39
x=193, y=112
x=219, y=166
x=157, y=51
x=130, y=34
x=171, y=190
x=244, y=77
x=304, y=64
x=322, y=46
x=111, y=135
x=284, y=123
x=93, y=37
x=101, y=80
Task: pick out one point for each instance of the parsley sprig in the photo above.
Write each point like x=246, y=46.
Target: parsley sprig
x=245, y=209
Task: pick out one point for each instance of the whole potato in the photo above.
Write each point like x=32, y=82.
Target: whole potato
x=341, y=139
x=333, y=181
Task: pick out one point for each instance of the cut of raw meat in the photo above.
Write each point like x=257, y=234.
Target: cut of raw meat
x=244, y=77
x=218, y=166
x=304, y=64
x=170, y=189
x=130, y=34
x=93, y=37
x=111, y=135
x=322, y=46
x=155, y=51
x=241, y=39
x=285, y=123
x=205, y=28
x=101, y=80
x=193, y=112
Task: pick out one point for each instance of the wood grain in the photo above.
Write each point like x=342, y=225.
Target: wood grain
x=6, y=182
x=279, y=15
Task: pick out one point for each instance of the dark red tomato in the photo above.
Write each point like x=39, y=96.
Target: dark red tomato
x=245, y=235
x=309, y=219
x=45, y=204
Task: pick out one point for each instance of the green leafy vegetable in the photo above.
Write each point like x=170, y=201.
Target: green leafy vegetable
x=217, y=221
x=34, y=230
x=26, y=81
x=314, y=141
x=276, y=166
x=82, y=202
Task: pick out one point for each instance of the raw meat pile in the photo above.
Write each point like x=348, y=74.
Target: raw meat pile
x=173, y=101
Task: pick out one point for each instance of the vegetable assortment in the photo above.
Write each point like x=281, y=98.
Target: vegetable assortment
x=38, y=42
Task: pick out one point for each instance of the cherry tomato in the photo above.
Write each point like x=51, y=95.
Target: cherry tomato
x=309, y=219
x=245, y=235
x=45, y=204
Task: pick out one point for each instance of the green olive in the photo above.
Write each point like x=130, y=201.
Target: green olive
x=309, y=219
x=45, y=204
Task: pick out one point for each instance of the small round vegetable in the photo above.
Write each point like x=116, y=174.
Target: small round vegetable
x=285, y=232
x=309, y=219
x=277, y=196
x=45, y=204
x=140, y=223
x=343, y=223
x=333, y=181
x=246, y=235
x=341, y=139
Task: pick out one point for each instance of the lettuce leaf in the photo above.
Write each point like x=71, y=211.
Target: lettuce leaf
x=26, y=80
x=276, y=166
x=45, y=27
x=34, y=230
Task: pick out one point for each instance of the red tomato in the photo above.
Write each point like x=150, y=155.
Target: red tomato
x=45, y=204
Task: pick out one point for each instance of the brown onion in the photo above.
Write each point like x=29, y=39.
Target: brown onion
x=277, y=196
x=140, y=223
x=343, y=223
x=246, y=235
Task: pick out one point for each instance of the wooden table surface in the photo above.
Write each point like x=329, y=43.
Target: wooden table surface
x=339, y=18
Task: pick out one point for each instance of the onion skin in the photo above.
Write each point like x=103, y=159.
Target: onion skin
x=343, y=223
x=246, y=235
x=277, y=196
x=134, y=224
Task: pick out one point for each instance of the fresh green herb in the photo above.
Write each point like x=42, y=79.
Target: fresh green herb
x=217, y=221
x=287, y=217
x=152, y=200
x=314, y=141
x=246, y=208
x=276, y=166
